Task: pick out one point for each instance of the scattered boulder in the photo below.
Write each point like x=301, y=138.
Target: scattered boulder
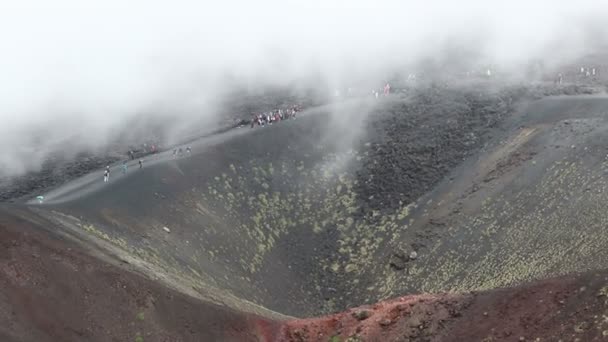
x=417, y=246
x=399, y=259
x=385, y=322
x=361, y=315
x=581, y=327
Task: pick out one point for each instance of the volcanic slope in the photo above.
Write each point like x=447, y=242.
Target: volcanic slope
x=250, y=213
x=281, y=217
x=56, y=289
x=284, y=208
x=532, y=205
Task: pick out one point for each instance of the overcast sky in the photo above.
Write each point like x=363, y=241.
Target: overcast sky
x=82, y=66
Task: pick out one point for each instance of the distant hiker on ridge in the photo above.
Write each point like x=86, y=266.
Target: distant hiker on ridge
x=106, y=174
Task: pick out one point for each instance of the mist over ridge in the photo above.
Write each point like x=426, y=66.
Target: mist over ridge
x=81, y=71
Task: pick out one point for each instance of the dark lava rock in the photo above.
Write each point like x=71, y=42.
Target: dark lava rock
x=397, y=263
x=399, y=259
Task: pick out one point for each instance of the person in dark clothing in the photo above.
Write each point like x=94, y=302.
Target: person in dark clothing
x=141, y=163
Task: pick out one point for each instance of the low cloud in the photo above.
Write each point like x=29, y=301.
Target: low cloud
x=79, y=70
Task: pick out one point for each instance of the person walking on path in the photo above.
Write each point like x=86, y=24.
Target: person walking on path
x=107, y=174
x=124, y=167
x=141, y=163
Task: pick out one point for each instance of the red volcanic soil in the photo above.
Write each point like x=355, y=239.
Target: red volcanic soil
x=563, y=309
x=51, y=290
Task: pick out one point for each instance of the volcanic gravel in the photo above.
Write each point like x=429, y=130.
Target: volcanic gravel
x=416, y=143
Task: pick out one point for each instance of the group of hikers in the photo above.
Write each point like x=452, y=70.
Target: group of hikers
x=123, y=167
x=386, y=91
x=276, y=115
x=588, y=71
x=145, y=149
x=582, y=73
x=180, y=151
x=176, y=152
